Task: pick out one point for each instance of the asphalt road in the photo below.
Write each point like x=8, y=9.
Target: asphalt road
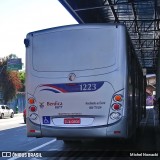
x=13, y=140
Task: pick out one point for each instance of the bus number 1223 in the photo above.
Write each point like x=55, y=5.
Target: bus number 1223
x=88, y=87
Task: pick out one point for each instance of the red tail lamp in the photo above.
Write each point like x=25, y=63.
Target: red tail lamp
x=116, y=106
x=32, y=108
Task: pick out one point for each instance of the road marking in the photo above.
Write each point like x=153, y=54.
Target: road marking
x=36, y=148
x=43, y=145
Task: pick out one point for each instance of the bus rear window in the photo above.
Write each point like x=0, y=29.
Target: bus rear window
x=74, y=50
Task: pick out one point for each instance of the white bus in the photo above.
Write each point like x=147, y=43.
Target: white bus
x=83, y=81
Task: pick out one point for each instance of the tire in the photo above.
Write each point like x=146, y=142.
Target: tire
x=12, y=115
x=25, y=120
x=2, y=116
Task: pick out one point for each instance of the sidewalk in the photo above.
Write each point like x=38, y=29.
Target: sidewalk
x=18, y=114
x=157, y=128
x=152, y=120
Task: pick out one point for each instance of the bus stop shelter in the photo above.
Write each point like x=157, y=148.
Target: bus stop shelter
x=141, y=17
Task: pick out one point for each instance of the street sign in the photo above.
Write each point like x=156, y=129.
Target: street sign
x=14, y=64
x=14, y=67
x=14, y=61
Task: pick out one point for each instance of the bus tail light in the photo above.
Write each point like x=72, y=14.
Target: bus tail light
x=117, y=97
x=116, y=108
x=115, y=115
x=31, y=100
x=32, y=108
x=33, y=116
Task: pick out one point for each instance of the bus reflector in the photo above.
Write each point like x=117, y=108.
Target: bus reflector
x=34, y=131
x=31, y=100
x=117, y=132
x=117, y=97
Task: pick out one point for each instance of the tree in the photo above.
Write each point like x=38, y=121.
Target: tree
x=10, y=80
x=22, y=78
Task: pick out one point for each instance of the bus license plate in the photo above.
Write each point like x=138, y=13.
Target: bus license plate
x=72, y=121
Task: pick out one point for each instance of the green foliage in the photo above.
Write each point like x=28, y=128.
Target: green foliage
x=11, y=81
x=22, y=78
x=8, y=87
x=12, y=56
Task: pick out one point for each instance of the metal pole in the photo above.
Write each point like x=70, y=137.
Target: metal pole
x=158, y=84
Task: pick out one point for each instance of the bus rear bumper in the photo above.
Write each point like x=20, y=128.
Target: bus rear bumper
x=117, y=130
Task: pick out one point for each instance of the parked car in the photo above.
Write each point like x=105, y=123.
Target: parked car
x=5, y=111
x=24, y=115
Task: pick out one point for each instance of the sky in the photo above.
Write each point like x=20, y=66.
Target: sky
x=19, y=17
